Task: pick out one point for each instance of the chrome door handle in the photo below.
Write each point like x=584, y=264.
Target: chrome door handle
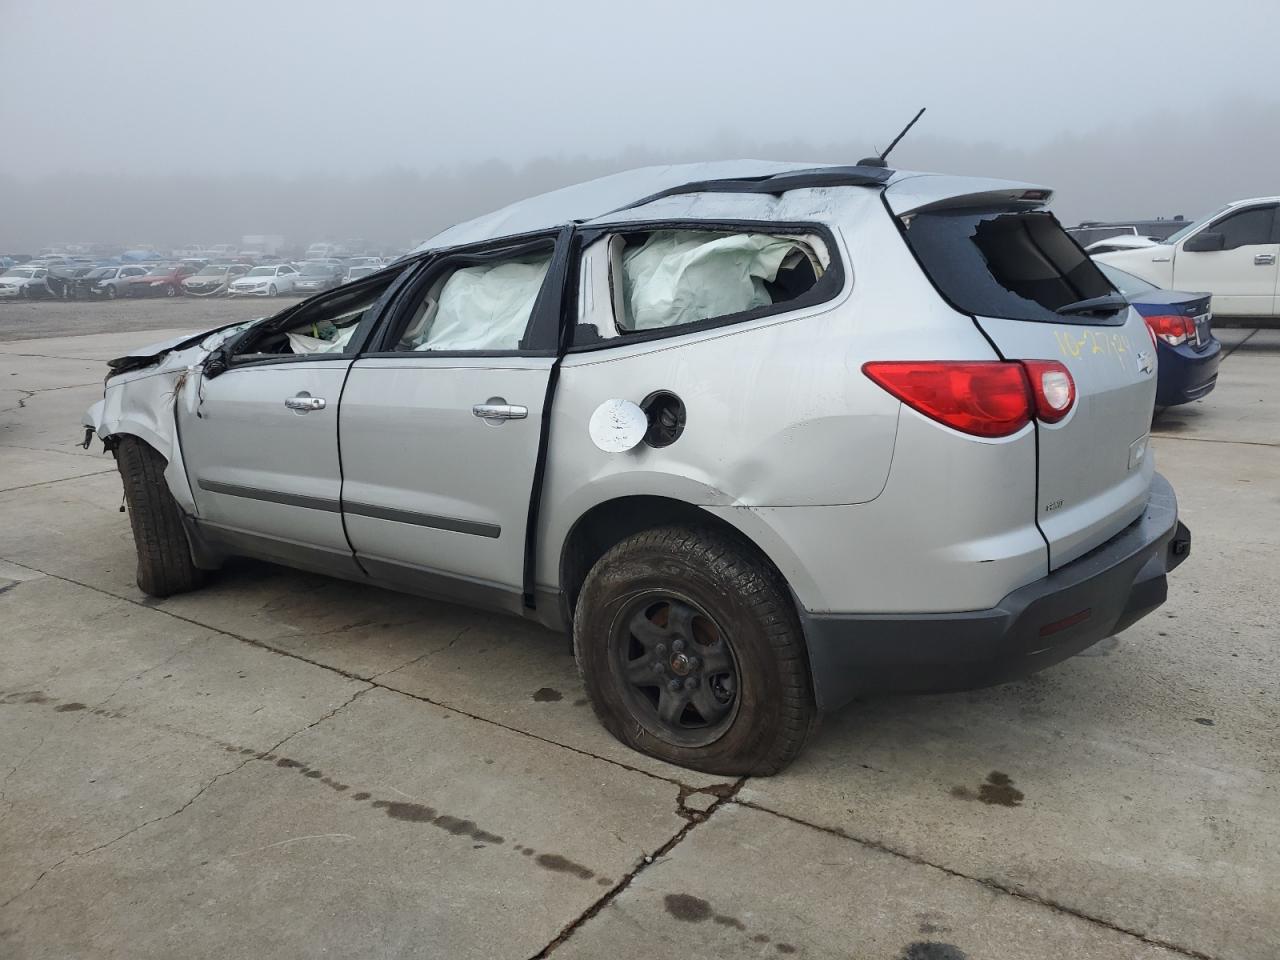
x=1264, y=259
x=304, y=402
x=495, y=410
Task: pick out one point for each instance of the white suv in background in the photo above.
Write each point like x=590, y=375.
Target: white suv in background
x=1232, y=254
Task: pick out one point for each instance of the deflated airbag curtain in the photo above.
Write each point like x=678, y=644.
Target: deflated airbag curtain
x=486, y=306
x=680, y=277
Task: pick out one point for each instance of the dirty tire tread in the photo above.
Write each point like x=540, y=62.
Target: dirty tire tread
x=165, y=565
x=742, y=572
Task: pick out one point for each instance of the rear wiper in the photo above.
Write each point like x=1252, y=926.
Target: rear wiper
x=1109, y=303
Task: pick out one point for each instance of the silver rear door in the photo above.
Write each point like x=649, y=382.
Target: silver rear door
x=441, y=426
x=1015, y=272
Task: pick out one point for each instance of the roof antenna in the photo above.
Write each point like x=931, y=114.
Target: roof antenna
x=879, y=161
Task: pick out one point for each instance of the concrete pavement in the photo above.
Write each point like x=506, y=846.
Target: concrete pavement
x=283, y=765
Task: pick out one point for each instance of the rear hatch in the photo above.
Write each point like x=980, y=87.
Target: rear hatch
x=1010, y=266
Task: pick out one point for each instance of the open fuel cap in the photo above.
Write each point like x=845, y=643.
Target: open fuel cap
x=618, y=426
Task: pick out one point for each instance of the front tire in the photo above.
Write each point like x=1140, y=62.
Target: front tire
x=112, y=292
x=691, y=652
x=170, y=291
x=271, y=291
x=165, y=566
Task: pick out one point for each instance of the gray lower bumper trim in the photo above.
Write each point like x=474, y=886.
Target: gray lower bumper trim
x=1056, y=617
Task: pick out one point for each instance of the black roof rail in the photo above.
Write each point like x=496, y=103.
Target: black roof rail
x=777, y=184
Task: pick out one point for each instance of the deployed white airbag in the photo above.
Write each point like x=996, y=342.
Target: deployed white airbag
x=683, y=276
x=487, y=306
x=301, y=343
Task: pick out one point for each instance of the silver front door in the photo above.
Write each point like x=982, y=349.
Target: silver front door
x=261, y=449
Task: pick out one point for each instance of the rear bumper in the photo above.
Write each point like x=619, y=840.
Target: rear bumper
x=1186, y=375
x=1035, y=626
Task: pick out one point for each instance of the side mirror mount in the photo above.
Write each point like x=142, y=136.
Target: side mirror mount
x=1204, y=241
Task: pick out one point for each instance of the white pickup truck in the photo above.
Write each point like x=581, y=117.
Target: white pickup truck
x=1232, y=254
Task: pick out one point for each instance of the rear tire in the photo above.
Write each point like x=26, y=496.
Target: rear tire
x=170, y=291
x=691, y=652
x=165, y=566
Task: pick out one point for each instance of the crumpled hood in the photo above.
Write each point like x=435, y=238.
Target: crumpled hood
x=178, y=351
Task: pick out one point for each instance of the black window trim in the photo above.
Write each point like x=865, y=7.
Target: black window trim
x=542, y=333
x=827, y=289
x=1273, y=234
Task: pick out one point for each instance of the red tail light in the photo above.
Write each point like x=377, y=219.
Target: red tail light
x=1052, y=387
x=1173, y=330
x=985, y=398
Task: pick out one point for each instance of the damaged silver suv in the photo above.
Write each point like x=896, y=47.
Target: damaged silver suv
x=763, y=436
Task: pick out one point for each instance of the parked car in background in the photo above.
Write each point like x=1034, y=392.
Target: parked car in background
x=1089, y=232
x=374, y=262
x=26, y=282
x=315, y=276
x=1122, y=242
x=107, y=282
x=1181, y=325
x=265, y=281
x=213, y=280
x=711, y=510
x=1233, y=254
x=355, y=273
x=162, y=280
x=62, y=279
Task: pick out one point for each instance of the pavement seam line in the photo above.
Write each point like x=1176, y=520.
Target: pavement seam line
x=355, y=676
x=644, y=863
x=989, y=882
x=1243, y=443
x=1232, y=350
x=45, y=483
x=196, y=796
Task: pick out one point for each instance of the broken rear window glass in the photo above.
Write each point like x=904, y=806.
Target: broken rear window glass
x=670, y=278
x=1016, y=265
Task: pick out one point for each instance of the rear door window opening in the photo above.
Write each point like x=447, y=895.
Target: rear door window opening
x=669, y=280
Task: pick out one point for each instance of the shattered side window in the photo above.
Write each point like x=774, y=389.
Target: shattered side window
x=324, y=327
x=484, y=306
x=671, y=278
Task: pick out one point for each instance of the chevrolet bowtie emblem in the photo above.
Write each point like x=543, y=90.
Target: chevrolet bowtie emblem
x=1144, y=362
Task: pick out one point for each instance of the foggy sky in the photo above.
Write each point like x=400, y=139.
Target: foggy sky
x=171, y=121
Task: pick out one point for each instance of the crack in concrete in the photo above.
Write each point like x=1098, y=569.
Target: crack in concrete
x=28, y=394
x=425, y=656
x=646, y=861
x=78, y=854
x=731, y=796
x=990, y=883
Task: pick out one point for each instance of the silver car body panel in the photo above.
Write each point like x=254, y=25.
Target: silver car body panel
x=864, y=505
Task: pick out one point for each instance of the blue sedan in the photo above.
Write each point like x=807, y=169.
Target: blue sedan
x=1186, y=349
